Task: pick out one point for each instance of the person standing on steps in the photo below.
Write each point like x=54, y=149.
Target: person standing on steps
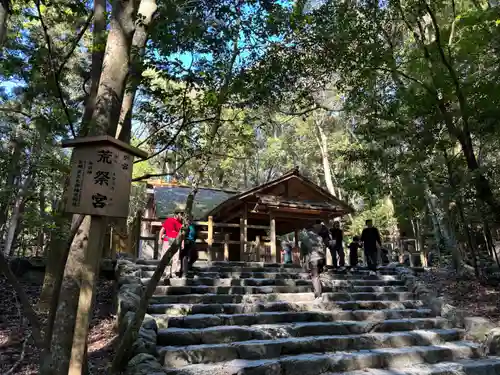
x=353, y=253
x=337, y=249
x=188, y=253
x=313, y=242
x=371, y=243
x=327, y=241
x=168, y=233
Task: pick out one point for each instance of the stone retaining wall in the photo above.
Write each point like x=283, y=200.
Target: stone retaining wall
x=144, y=359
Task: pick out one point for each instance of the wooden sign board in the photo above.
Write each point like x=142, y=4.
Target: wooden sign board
x=100, y=181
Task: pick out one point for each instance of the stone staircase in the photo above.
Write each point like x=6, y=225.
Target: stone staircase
x=235, y=318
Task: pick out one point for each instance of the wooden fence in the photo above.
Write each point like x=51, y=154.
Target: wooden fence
x=217, y=240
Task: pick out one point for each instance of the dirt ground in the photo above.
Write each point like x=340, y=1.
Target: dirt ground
x=467, y=294
x=15, y=351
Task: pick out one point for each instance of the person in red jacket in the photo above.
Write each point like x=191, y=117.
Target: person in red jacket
x=168, y=232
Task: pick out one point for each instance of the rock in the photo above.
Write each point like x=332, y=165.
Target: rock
x=491, y=345
x=144, y=364
x=148, y=335
x=149, y=322
x=477, y=328
x=422, y=293
x=141, y=346
x=436, y=305
x=134, y=288
x=393, y=265
x=129, y=279
x=454, y=315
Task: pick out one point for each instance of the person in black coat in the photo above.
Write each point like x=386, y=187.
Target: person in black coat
x=371, y=243
x=338, y=249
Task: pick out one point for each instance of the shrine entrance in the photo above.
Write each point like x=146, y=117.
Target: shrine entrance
x=282, y=206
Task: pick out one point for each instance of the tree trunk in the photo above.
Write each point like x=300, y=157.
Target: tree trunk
x=13, y=231
x=41, y=233
x=9, y=189
x=4, y=16
x=65, y=315
x=147, y=9
x=322, y=140
x=115, y=68
x=54, y=260
x=55, y=264
x=98, y=47
x=104, y=121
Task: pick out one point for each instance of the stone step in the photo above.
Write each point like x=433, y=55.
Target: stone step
x=273, y=297
x=483, y=366
x=229, y=334
x=275, y=268
x=278, y=282
x=277, y=275
x=235, y=308
x=276, y=317
x=205, y=289
x=316, y=364
x=154, y=262
x=175, y=357
x=240, y=308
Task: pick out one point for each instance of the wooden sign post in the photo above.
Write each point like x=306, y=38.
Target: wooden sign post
x=100, y=182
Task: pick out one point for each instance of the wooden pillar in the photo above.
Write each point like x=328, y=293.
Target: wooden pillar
x=243, y=235
x=226, y=247
x=275, y=255
x=257, y=248
x=210, y=239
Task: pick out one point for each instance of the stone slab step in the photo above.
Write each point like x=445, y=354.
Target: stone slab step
x=212, y=320
x=240, y=308
x=272, y=297
x=277, y=282
x=483, y=366
x=206, y=289
x=176, y=357
x=229, y=334
x=154, y=262
x=275, y=275
x=315, y=364
x=275, y=268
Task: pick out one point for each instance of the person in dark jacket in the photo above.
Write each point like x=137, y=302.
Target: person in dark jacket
x=189, y=253
x=371, y=243
x=353, y=252
x=337, y=249
x=314, y=245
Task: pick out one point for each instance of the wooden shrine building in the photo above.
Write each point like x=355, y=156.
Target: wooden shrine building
x=245, y=226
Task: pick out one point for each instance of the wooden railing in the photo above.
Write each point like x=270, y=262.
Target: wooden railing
x=256, y=250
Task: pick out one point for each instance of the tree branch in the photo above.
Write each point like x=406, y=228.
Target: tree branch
x=53, y=69
x=18, y=111
x=75, y=43
x=149, y=175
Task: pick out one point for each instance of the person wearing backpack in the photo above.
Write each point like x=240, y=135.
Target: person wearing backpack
x=189, y=253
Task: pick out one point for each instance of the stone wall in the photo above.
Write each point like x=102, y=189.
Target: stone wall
x=144, y=359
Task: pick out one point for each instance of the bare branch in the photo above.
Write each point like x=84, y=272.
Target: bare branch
x=53, y=69
x=149, y=175
x=14, y=110
x=21, y=357
x=304, y=112
x=75, y=43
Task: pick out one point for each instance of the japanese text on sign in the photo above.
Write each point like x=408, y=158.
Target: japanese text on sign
x=96, y=174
